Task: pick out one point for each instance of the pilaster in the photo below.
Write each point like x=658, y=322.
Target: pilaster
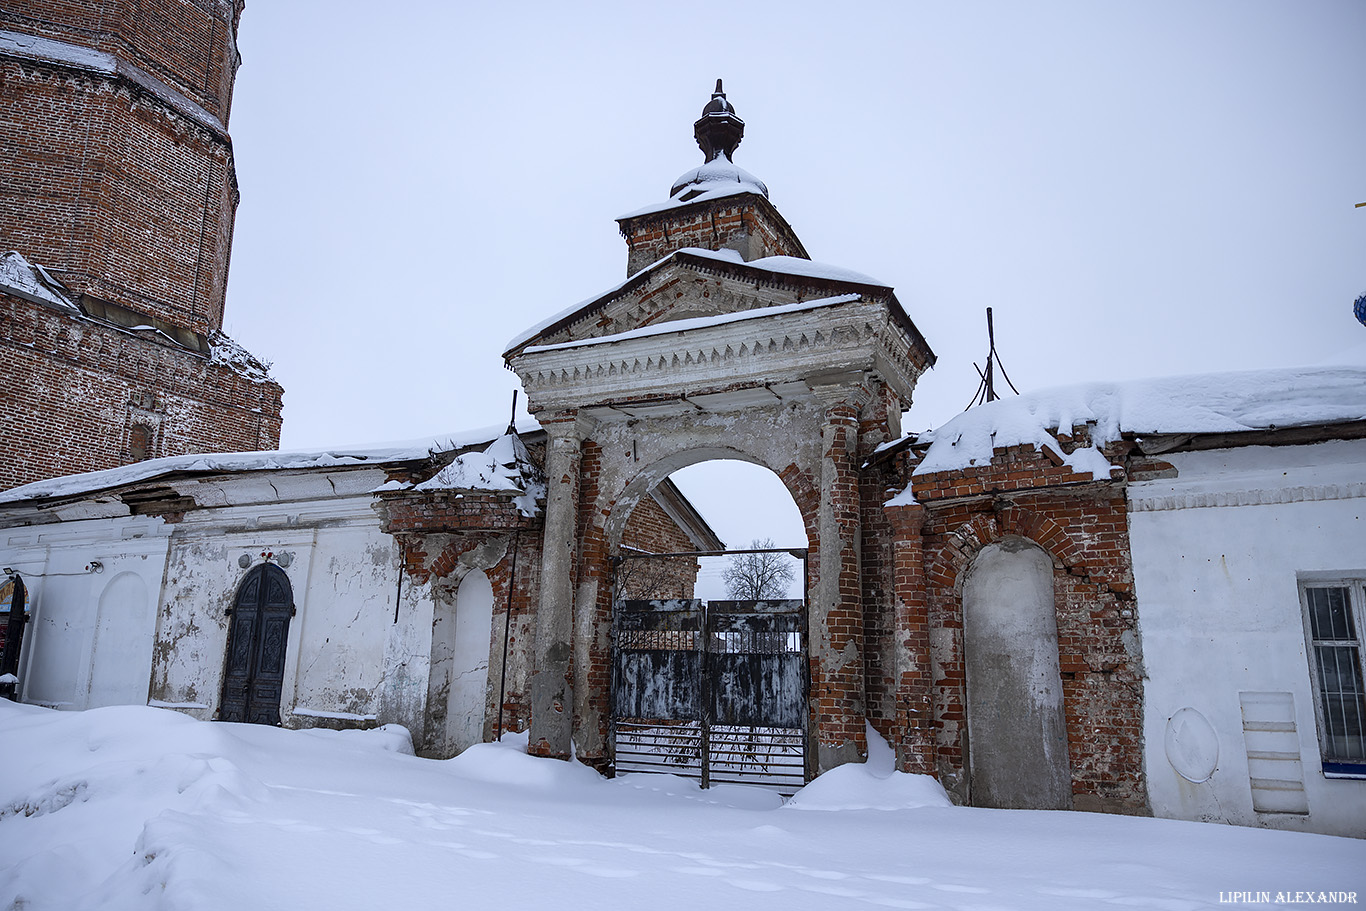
x=913, y=735
x=552, y=690
x=836, y=608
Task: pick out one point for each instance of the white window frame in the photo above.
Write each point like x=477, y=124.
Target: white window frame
x=1355, y=583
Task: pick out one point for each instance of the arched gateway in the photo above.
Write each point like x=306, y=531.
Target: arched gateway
x=731, y=343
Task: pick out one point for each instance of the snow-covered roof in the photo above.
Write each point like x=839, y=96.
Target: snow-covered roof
x=781, y=265
x=700, y=322
x=1208, y=403
x=274, y=460
x=223, y=350
x=503, y=466
x=712, y=191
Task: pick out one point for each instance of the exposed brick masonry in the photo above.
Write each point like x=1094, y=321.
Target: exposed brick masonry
x=115, y=183
x=73, y=391
x=1081, y=523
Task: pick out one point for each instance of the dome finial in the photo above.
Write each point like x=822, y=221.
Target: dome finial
x=718, y=131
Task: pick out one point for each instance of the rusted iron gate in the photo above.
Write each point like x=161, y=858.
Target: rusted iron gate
x=714, y=690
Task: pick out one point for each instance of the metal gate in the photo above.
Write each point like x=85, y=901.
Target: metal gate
x=711, y=690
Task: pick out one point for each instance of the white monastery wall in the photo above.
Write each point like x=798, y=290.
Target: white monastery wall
x=92, y=589
x=1219, y=553
x=134, y=610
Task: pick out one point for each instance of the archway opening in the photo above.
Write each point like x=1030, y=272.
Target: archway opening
x=710, y=627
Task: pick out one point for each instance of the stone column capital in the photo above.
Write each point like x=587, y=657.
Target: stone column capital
x=846, y=390
x=564, y=427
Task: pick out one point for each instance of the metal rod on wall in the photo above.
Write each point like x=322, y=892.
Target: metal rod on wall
x=507, y=628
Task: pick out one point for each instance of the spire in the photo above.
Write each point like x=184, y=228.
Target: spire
x=718, y=130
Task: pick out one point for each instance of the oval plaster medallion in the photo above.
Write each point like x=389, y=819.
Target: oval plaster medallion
x=1192, y=745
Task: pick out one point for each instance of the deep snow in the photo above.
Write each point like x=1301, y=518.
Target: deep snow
x=138, y=808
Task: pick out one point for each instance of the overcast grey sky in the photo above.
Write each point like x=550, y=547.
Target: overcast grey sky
x=1136, y=188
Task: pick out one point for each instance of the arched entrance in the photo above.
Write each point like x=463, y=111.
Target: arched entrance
x=255, y=670
x=709, y=675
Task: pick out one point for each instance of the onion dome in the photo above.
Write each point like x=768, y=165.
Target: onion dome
x=718, y=132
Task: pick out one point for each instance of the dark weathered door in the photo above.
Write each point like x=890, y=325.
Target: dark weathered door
x=256, y=647
x=658, y=668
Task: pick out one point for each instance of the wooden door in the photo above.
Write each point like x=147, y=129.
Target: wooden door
x=257, y=637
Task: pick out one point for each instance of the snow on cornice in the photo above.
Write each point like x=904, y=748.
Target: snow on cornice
x=50, y=50
x=1205, y=403
x=700, y=322
x=233, y=462
x=223, y=350
x=718, y=192
x=782, y=265
x=23, y=279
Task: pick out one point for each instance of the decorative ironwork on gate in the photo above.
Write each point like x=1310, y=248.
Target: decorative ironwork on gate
x=711, y=690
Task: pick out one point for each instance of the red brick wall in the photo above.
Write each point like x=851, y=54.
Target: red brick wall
x=1082, y=524
x=191, y=45
x=126, y=198
x=72, y=390
x=710, y=226
x=650, y=529
x=115, y=194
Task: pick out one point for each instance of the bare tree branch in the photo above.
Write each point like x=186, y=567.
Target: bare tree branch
x=756, y=577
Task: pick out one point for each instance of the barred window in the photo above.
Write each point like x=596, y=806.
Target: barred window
x=1333, y=624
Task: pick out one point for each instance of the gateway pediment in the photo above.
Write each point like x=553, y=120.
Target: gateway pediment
x=694, y=283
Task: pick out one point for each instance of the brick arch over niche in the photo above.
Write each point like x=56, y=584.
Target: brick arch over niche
x=962, y=545
x=1099, y=651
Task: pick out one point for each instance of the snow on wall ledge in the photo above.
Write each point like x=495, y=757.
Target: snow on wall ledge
x=1205, y=403
x=228, y=462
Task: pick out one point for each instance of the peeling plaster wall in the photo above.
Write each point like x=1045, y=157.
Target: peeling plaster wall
x=344, y=619
x=344, y=576
x=202, y=578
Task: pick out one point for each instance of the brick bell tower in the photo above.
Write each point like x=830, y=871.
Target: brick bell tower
x=117, y=199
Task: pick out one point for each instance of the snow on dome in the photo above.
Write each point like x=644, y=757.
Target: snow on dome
x=1208, y=403
x=718, y=174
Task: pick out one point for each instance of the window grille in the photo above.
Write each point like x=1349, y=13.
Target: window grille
x=1333, y=622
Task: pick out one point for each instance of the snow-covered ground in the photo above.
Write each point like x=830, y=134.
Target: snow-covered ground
x=132, y=807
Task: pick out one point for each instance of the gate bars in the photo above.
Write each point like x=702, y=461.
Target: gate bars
x=715, y=691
